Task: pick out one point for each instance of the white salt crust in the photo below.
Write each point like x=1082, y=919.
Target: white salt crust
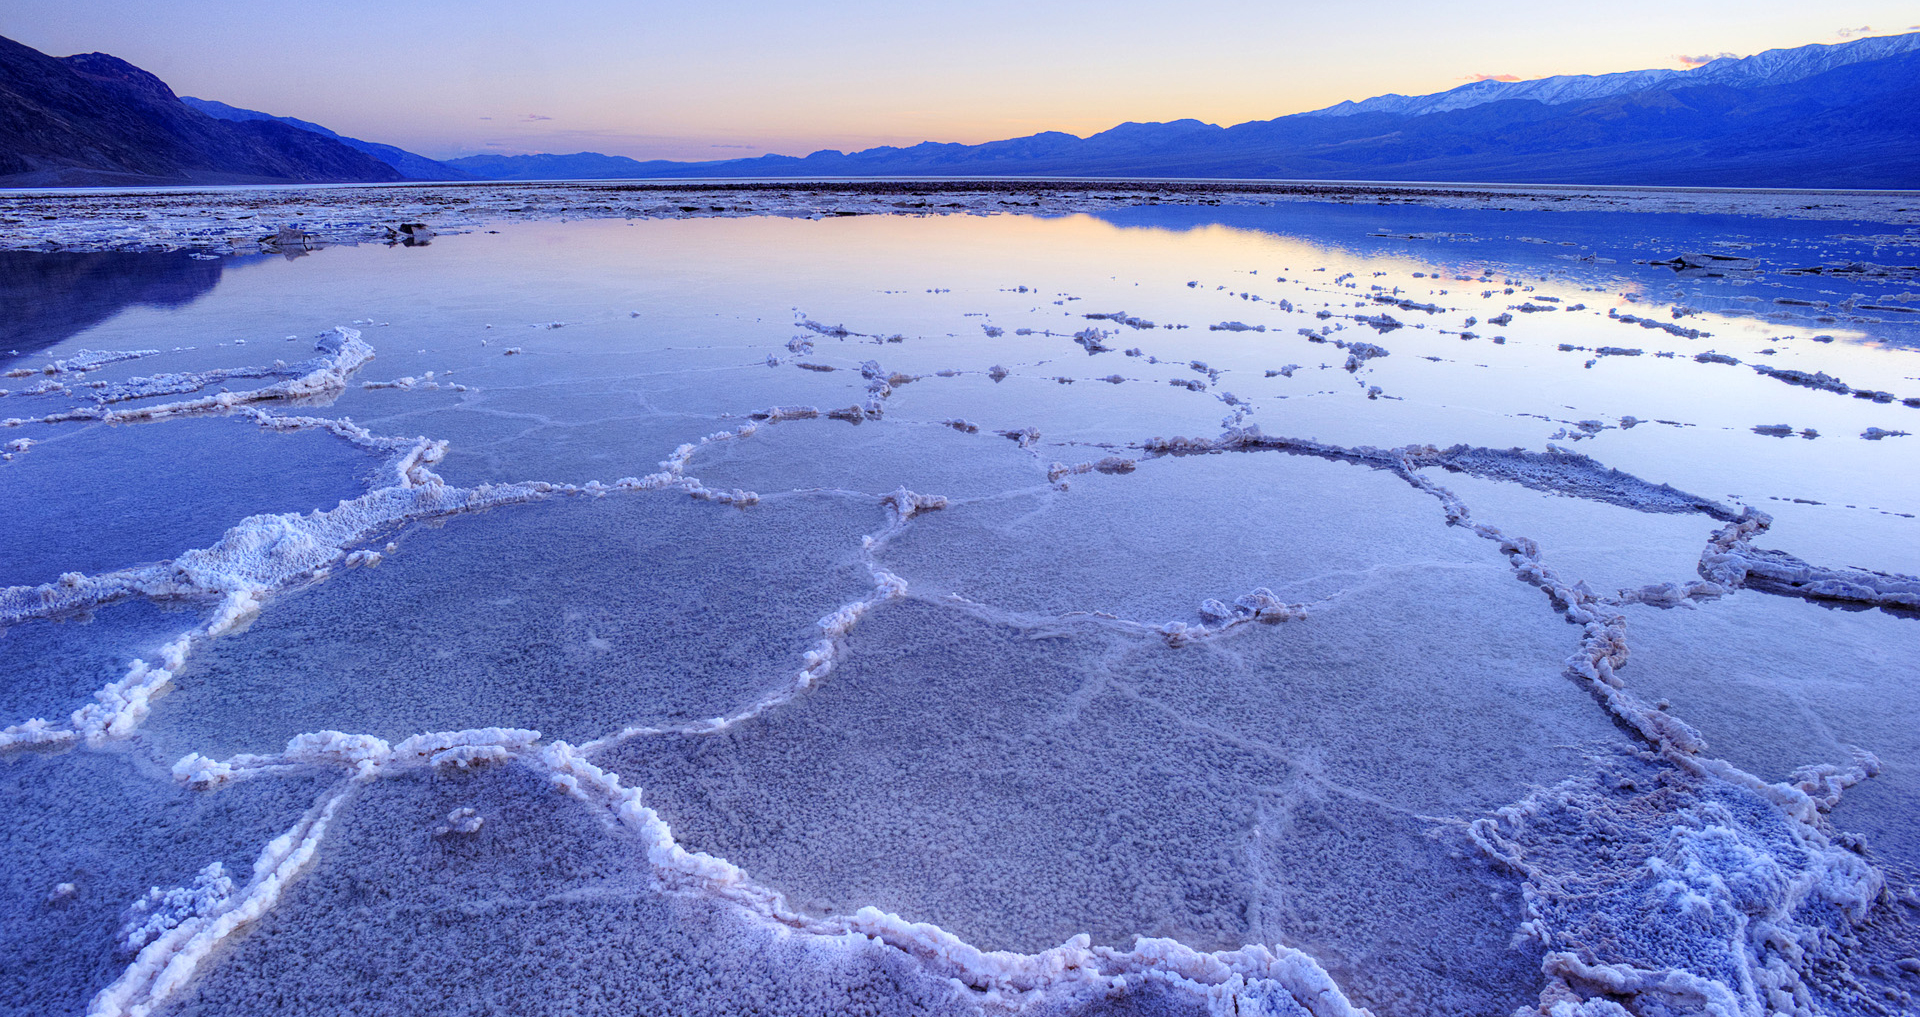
x=1709, y=849
x=1252, y=976
x=342, y=353
x=1250, y=979
x=165, y=965
x=266, y=554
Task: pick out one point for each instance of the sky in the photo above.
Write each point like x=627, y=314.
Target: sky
x=720, y=79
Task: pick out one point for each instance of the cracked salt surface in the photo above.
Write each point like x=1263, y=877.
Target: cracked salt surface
x=571, y=618
x=1349, y=676
x=1083, y=781
x=544, y=909
x=103, y=824
x=1612, y=547
x=1271, y=521
x=1842, y=676
x=824, y=453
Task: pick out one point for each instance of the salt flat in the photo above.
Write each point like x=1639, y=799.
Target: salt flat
x=962, y=598
x=229, y=219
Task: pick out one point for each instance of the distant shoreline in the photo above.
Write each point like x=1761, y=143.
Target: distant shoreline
x=236, y=219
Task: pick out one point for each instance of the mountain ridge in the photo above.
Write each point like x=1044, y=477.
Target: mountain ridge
x=1841, y=115
x=1856, y=124
x=92, y=119
x=410, y=165
x=1771, y=67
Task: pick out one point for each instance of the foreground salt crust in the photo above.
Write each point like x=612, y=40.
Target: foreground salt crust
x=1776, y=830
x=1252, y=975
x=1757, y=857
x=576, y=616
x=1256, y=978
x=268, y=553
x=342, y=353
x=164, y=965
x=103, y=859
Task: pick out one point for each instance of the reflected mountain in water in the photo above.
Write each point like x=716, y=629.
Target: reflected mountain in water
x=49, y=296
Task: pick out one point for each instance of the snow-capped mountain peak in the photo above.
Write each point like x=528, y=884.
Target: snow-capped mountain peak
x=1773, y=67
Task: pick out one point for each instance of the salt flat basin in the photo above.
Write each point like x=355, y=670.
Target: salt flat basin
x=1261, y=593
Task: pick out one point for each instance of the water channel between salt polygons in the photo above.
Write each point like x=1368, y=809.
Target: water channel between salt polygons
x=1168, y=611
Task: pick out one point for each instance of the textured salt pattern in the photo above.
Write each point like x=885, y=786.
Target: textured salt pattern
x=1121, y=787
x=88, y=834
x=1120, y=616
x=577, y=431
x=496, y=449
x=567, y=617
x=1743, y=909
x=543, y=909
x=1611, y=547
x=947, y=458
x=1845, y=676
x=1283, y=523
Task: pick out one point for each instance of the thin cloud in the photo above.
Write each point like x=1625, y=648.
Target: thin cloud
x=531, y=117
x=1704, y=58
x=1848, y=33
x=748, y=147
x=1493, y=77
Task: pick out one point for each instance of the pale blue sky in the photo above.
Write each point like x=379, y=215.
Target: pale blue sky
x=728, y=78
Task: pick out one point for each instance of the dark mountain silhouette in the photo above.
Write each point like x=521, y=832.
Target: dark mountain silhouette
x=96, y=119
x=1817, y=116
x=410, y=165
x=1845, y=115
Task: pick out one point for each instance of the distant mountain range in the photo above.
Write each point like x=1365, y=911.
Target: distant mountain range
x=1773, y=67
x=579, y=166
x=1844, y=115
